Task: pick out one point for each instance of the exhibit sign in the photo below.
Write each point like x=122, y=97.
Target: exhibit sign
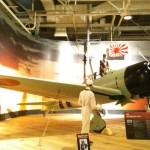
x=83, y=141
x=137, y=125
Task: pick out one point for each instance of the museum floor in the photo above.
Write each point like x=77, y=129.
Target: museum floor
x=29, y=133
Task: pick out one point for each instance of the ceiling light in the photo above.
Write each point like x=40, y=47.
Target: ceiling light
x=128, y=17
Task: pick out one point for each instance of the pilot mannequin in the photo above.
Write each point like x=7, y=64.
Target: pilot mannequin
x=88, y=103
x=104, y=66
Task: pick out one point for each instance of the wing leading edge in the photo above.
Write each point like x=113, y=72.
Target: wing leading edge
x=49, y=88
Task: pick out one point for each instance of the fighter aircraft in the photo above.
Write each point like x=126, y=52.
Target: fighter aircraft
x=123, y=86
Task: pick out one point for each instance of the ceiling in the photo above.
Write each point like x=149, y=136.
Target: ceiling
x=82, y=20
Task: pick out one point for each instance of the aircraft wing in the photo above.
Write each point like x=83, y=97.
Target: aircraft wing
x=50, y=88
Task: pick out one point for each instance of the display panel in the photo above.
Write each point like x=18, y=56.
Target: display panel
x=83, y=141
x=137, y=125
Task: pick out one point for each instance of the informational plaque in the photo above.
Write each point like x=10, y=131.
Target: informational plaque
x=83, y=142
x=137, y=125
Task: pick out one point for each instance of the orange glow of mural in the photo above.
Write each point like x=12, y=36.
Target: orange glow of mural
x=10, y=98
x=134, y=105
x=8, y=71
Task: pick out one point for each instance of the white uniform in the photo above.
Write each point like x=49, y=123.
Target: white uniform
x=87, y=101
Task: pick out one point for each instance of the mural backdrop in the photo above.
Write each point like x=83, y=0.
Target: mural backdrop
x=24, y=54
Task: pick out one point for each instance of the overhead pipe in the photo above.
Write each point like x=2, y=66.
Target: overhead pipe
x=86, y=46
x=125, y=7
x=65, y=5
x=35, y=20
x=74, y=24
x=113, y=5
x=141, y=27
x=13, y=15
x=88, y=27
x=32, y=7
x=59, y=13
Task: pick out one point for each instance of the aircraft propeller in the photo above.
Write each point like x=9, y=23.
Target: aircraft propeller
x=148, y=62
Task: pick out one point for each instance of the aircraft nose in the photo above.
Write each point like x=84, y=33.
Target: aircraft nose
x=137, y=79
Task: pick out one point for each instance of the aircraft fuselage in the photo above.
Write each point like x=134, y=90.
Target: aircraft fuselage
x=132, y=81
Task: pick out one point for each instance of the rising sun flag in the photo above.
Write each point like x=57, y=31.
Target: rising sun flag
x=117, y=51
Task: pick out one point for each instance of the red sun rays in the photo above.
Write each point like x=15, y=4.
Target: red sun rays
x=117, y=50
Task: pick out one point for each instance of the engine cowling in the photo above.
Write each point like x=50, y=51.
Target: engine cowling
x=137, y=79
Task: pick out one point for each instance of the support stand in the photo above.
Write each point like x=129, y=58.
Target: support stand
x=40, y=138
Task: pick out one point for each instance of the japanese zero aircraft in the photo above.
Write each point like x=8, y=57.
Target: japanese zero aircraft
x=122, y=86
